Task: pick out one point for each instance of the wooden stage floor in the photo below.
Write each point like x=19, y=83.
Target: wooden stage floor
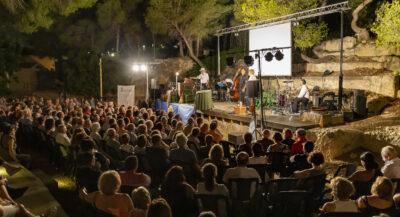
x=224, y=110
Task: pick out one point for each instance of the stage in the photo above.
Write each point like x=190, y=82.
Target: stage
x=225, y=111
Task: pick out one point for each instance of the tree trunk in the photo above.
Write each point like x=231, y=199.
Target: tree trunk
x=190, y=51
x=117, y=40
x=181, y=54
x=308, y=59
x=362, y=33
x=198, y=40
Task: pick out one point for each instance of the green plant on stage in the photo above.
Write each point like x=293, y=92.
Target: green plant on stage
x=269, y=99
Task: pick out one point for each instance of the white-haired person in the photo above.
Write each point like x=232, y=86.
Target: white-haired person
x=94, y=134
x=107, y=199
x=391, y=169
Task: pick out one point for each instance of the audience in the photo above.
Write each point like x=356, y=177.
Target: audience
x=288, y=138
x=342, y=190
x=266, y=141
x=129, y=176
x=297, y=147
x=215, y=133
x=391, y=169
x=259, y=156
x=316, y=159
x=141, y=201
x=247, y=146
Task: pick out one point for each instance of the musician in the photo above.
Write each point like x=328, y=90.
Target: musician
x=242, y=85
x=304, y=97
x=204, y=78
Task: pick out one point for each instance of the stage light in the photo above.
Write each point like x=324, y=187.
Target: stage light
x=249, y=60
x=143, y=67
x=230, y=61
x=135, y=67
x=268, y=57
x=279, y=55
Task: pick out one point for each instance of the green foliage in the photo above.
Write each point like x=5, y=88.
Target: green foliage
x=269, y=99
x=194, y=71
x=110, y=13
x=387, y=25
x=306, y=35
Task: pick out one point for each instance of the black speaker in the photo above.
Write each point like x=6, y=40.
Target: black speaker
x=360, y=103
x=252, y=89
x=249, y=60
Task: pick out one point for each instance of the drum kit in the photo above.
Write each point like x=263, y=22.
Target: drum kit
x=284, y=98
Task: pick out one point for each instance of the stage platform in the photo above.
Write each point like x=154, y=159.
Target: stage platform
x=224, y=111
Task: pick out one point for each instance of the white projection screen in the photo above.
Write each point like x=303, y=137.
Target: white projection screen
x=268, y=37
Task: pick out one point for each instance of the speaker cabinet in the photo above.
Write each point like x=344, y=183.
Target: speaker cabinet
x=253, y=89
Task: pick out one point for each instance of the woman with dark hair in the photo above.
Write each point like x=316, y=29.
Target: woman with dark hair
x=159, y=208
x=210, y=186
x=178, y=193
x=364, y=178
x=277, y=146
x=316, y=159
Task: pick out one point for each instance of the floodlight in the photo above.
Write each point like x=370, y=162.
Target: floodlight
x=268, y=57
x=135, y=67
x=279, y=55
x=177, y=73
x=143, y=67
x=249, y=60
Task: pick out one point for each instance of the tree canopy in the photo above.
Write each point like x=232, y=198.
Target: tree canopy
x=387, y=25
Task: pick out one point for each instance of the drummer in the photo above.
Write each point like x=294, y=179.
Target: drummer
x=204, y=78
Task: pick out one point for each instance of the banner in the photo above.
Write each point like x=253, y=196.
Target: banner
x=185, y=111
x=126, y=95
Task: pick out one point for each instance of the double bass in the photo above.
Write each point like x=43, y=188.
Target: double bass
x=235, y=93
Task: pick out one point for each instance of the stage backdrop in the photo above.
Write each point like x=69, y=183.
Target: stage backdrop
x=268, y=37
x=126, y=95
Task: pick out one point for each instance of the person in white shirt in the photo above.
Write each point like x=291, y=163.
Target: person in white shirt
x=241, y=170
x=391, y=169
x=204, y=78
x=303, y=97
x=63, y=139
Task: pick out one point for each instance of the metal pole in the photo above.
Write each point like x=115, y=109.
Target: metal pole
x=219, y=56
x=101, y=78
x=147, y=85
x=341, y=63
x=260, y=90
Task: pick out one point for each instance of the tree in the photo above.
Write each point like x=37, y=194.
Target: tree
x=185, y=19
x=362, y=33
x=387, y=24
x=306, y=35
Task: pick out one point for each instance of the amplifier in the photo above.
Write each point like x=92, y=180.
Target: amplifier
x=235, y=138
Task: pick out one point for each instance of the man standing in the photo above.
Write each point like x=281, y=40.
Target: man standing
x=303, y=97
x=204, y=78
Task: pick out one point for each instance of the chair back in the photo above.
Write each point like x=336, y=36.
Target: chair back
x=212, y=202
x=293, y=203
x=314, y=185
x=242, y=189
x=396, y=183
x=340, y=214
x=261, y=170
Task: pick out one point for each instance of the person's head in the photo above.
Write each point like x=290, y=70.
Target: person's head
x=199, y=121
x=141, y=141
x=248, y=138
x=174, y=176
x=204, y=128
x=216, y=153
x=159, y=208
x=141, y=198
x=316, y=158
x=242, y=159
x=190, y=121
x=96, y=127
x=49, y=124
x=87, y=159
x=342, y=188
x=209, y=172
x=202, y=70
x=301, y=133
x=288, y=134
x=368, y=161
x=266, y=134
x=125, y=138
x=109, y=182
x=111, y=133
x=277, y=137
x=130, y=127
x=388, y=153
x=308, y=147
x=181, y=140
x=61, y=128
x=258, y=150
x=156, y=139
x=131, y=163
x=209, y=140
x=142, y=129
x=195, y=131
x=383, y=188
x=251, y=72
x=87, y=145
x=213, y=125
x=207, y=214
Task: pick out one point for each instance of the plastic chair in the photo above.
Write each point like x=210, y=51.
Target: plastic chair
x=243, y=189
x=294, y=203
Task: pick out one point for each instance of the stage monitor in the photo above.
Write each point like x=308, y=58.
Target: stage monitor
x=268, y=37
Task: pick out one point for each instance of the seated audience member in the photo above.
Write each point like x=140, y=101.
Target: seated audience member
x=112, y=139
x=207, y=214
x=217, y=135
x=203, y=133
x=370, y=169
x=141, y=144
x=8, y=147
x=193, y=139
x=189, y=126
x=131, y=132
x=300, y=160
x=157, y=141
x=241, y=170
x=125, y=145
x=258, y=155
x=391, y=169
x=129, y=176
x=178, y=193
x=157, y=158
x=246, y=147
x=288, y=138
x=205, y=149
x=182, y=154
x=381, y=198
x=107, y=199
x=216, y=157
x=297, y=147
x=63, y=139
x=88, y=146
x=342, y=190
x=266, y=141
x=94, y=134
x=159, y=208
x=277, y=146
x=141, y=201
x=88, y=172
x=316, y=159
x=210, y=186
x=178, y=129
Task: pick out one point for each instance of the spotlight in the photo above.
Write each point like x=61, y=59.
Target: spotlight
x=230, y=61
x=279, y=55
x=135, y=67
x=268, y=57
x=249, y=60
x=143, y=67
